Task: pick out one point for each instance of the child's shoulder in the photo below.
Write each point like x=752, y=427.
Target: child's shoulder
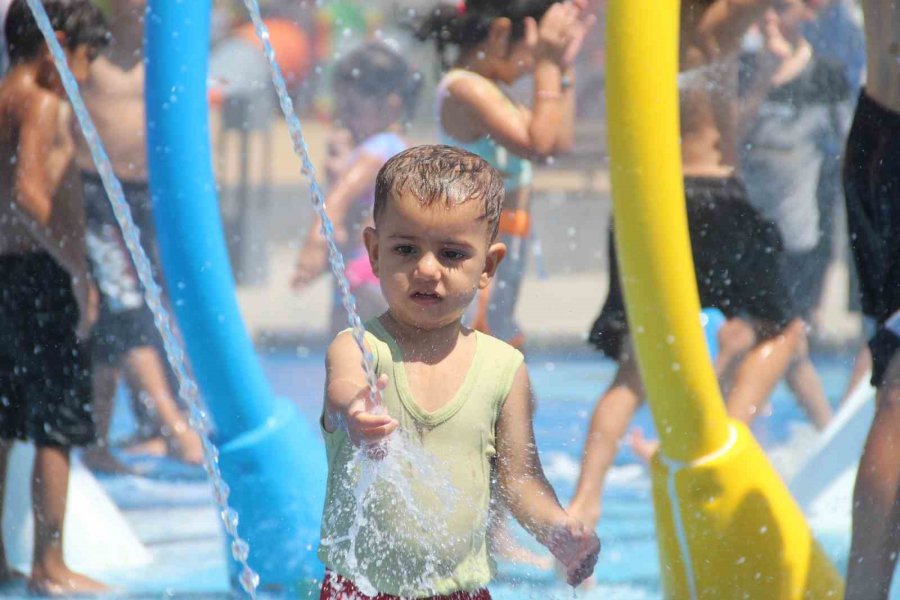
x=23, y=100
x=344, y=343
x=465, y=85
x=495, y=350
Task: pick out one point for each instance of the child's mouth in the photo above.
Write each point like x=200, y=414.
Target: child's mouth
x=426, y=298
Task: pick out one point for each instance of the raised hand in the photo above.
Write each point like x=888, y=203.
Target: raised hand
x=555, y=31
x=311, y=263
x=582, y=26
x=367, y=423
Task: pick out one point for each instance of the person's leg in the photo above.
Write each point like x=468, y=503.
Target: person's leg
x=145, y=371
x=876, y=498
x=50, y=485
x=610, y=420
x=504, y=291
x=735, y=337
x=762, y=368
x=804, y=381
x=7, y=573
x=862, y=365
x=98, y=456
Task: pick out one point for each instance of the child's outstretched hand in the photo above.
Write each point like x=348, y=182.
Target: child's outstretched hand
x=367, y=424
x=576, y=547
x=310, y=264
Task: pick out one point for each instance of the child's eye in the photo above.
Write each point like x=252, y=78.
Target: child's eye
x=453, y=255
x=404, y=249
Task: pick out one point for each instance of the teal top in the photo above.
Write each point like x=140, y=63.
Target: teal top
x=425, y=534
x=516, y=170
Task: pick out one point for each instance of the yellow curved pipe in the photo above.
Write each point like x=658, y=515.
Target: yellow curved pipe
x=726, y=524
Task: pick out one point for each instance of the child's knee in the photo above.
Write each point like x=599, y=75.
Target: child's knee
x=794, y=333
x=735, y=337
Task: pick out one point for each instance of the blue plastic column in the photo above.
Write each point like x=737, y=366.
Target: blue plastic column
x=270, y=457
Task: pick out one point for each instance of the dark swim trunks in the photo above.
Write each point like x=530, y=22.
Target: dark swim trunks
x=125, y=322
x=45, y=372
x=872, y=192
x=738, y=260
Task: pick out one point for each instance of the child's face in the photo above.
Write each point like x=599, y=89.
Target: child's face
x=364, y=115
x=431, y=260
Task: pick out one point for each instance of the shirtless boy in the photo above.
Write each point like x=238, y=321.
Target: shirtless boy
x=45, y=289
x=125, y=335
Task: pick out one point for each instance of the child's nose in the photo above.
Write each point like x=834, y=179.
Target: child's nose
x=428, y=267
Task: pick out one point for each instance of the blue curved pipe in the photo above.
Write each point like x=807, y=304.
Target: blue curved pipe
x=272, y=460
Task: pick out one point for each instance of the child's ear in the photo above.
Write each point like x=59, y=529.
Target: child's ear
x=498, y=35
x=495, y=255
x=370, y=238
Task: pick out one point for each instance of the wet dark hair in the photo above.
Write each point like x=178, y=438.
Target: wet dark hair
x=465, y=24
x=375, y=69
x=441, y=175
x=79, y=20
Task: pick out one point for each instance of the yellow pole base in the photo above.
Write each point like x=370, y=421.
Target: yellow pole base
x=727, y=527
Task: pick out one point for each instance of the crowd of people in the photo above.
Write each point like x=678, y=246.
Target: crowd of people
x=436, y=244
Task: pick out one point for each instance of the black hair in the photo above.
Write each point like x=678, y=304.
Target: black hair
x=439, y=175
x=467, y=23
x=376, y=70
x=79, y=20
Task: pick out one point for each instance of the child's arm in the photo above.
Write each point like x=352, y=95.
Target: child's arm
x=347, y=401
x=528, y=494
x=38, y=168
x=723, y=25
x=352, y=183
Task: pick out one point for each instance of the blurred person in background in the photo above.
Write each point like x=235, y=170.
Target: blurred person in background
x=125, y=337
x=872, y=193
x=791, y=118
x=47, y=298
x=499, y=43
x=376, y=93
x=737, y=251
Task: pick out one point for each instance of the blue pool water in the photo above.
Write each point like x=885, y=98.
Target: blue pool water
x=172, y=512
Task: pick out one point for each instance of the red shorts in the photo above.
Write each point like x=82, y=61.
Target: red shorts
x=336, y=587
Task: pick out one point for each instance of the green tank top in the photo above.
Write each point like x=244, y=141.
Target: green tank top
x=398, y=551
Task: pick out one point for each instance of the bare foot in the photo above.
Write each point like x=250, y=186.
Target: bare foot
x=186, y=446
x=101, y=460
x=642, y=447
x=62, y=581
x=155, y=446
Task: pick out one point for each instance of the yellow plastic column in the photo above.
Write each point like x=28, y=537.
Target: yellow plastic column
x=726, y=524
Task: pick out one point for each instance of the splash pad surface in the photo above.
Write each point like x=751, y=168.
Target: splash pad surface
x=172, y=512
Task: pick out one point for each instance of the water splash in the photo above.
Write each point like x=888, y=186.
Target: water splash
x=187, y=388
x=410, y=482
x=316, y=196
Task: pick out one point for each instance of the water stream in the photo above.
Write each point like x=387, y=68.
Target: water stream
x=316, y=196
x=175, y=352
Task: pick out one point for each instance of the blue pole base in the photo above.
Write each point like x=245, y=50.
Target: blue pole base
x=277, y=476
